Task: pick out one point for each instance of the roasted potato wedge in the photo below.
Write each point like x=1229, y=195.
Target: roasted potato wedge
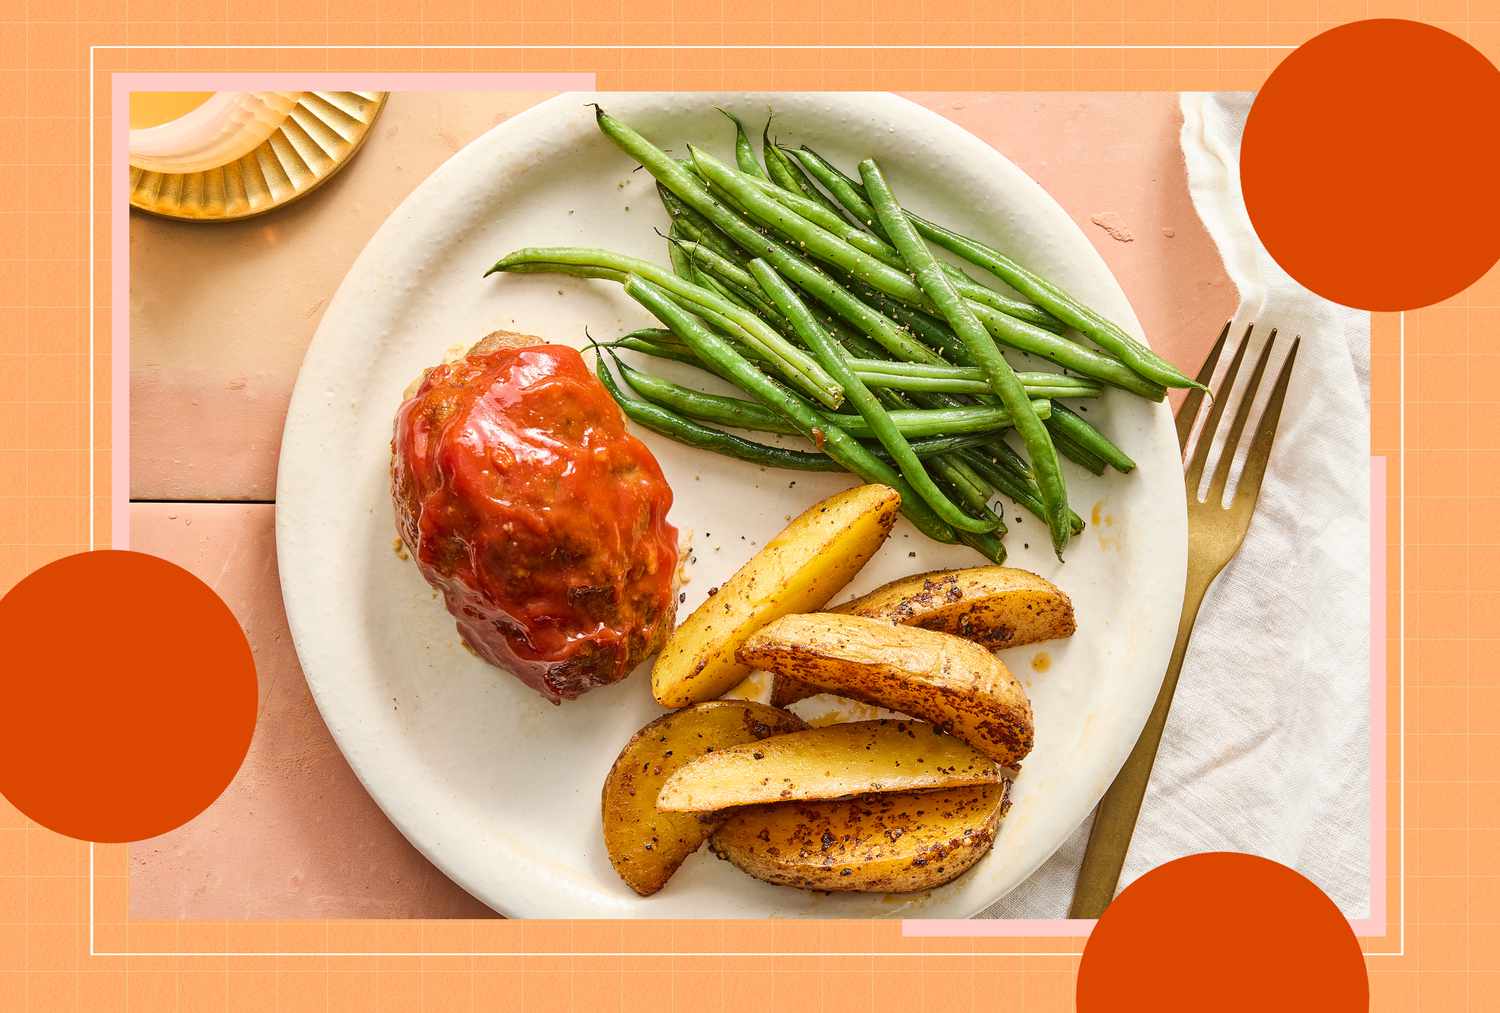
x=958, y=686
x=994, y=606
x=646, y=846
x=890, y=843
x=838, y=761
x=797, y=571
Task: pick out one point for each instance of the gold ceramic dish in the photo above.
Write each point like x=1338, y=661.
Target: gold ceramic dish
x=320, y=134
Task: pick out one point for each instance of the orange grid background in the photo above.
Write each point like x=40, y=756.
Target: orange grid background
x=1452, y=844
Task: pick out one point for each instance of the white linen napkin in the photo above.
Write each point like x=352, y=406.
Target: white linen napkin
x=1267, y=748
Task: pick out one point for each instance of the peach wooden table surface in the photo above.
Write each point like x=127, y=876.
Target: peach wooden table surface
x=220, y=316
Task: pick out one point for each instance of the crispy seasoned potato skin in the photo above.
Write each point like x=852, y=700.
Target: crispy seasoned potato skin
x=837, y=761
x=994, y=606
x=797, y=571
x=890, y=843
x=958, y=686
x=646, y=846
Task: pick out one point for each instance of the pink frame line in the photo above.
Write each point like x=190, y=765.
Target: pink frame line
x=122, y=84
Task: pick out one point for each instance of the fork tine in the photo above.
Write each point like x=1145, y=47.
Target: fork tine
x=1188, y=411
x=1260, y=449
x=1206, y=436
x=1241, y=420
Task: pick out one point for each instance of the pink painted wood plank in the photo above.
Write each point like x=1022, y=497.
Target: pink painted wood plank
x=221, y=315
x=295, y=835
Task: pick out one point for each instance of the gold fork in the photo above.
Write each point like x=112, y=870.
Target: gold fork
x=1215, y=533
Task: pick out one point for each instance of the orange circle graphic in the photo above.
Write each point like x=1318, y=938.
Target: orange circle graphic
x=1368, y=164
x=129, y=696
x=1225, y=932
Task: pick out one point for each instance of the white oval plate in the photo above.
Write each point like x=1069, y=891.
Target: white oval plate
x=500, y=788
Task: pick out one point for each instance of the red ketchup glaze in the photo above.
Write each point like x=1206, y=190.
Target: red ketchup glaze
x=543, y=522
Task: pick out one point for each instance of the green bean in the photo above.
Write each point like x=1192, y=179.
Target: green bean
x=690, y=232
x=882, y=251
x=729, y=290
x=933, y=384
x=675, y=427
x=1056, y=385
x=987, y=544
x=1092, y=364
x=878, y=314
x=645, y=341
x=1103, y=332
x=964, y=379
x=1031, y=378
x=1020, y=485
x=1003, y=380
x=659, y=334
x=1084, y=434
x=1014, y=462
x=1017, y=334
x=692, y=193
x=944, y=414
x=708, y=260
x=1079, y=455
x=682, y=266
x=970, y=488
x=956, y=385
x=941, y=446
x=1001, y=451
x=713, y=284
x=854, y=320
x=676, y=353
x=832, y=440
x=940, y=335
x=1017, y=487
x=832, y=246
x=967, y=426
x=961, y=419
x=869, y=321
x=827, y=218
x=704, y=231
x=933, y=333
x=846, y=191
x=793, y=363
x=736, y=278
x=785, y=174
x=833, y=359
x=831, y=220
x=719, y=409
x=683, y=354
x=744, y=152
x=820, y=216
x=957, y=474
x=930, y=370
x=741, y=414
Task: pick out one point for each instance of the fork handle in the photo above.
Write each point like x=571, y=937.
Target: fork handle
x=1114, y=822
